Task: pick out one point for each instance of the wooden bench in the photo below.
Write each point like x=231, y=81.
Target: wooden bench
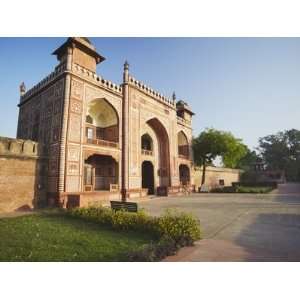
x=127, y=206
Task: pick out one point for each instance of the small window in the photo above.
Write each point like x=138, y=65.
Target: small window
x=89, y=133
x=89, y=119
x=221, y=182
x=88, y=177
x=147, y=142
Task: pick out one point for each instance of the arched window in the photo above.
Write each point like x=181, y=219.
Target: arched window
x=147, y=144
x=183, y=145
x=89, y=119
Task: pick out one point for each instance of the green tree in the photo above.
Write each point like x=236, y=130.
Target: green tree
x=247, y=162
x=212, y=143
x=281, y=152
x=235, y=150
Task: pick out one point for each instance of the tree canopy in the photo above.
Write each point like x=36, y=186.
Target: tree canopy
x=212, y=143
x=281, y=151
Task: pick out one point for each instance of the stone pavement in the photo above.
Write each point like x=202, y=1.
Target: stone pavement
x=240, y=227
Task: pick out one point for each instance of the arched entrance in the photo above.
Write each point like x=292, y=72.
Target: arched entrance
x=184, y=175
x=100, y=173
x=163, y=152
x=148, y=177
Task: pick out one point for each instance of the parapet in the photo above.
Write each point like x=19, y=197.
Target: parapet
x=17, y=147
x=152, y=93
x=58, y=70
x=98, y=80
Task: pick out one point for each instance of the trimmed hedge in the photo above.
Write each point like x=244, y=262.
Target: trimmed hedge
x=170, y=231
x=243, y=189
x=254, y=189
x=272, y=184
x=225, y=189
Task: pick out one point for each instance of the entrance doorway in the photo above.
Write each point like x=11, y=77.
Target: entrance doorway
x=100, y=173
x=148, y=177
x=184, y=175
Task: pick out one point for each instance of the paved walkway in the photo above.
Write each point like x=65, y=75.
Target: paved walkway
x=240, y=227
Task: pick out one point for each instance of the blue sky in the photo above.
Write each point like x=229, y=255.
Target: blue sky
x=249, y=86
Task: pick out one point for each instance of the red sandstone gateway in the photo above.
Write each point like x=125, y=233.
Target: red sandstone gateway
x=101, y=141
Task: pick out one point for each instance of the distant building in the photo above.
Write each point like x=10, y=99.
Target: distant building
x=263, y=174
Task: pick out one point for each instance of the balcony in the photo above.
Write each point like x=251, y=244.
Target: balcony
x=147, y=152
x=103, y=143
x=183, y=151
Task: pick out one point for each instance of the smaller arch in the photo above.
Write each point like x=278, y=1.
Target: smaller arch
x=183, y=145
x=148, y=176
x=147, y=144
x=102, y=122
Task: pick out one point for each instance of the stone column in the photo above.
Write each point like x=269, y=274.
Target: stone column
x=125, y=132
x=64, y=127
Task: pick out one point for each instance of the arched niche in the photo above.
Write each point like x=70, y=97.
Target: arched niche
x=102, y=121
x=184, y=175
x=147, y=144
x=183, y=145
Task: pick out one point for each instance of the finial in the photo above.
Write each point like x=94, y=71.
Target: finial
x=22, y=88
x=126, y=65
x=173, y=96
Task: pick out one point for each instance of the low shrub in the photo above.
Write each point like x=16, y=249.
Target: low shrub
x=243, y=189
x=253, y=190
x=272, y=184
x=171, y=231
x=154, y=251
x=225, y=189
x=181, y=227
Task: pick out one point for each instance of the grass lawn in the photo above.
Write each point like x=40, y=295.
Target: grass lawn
x=54, y=237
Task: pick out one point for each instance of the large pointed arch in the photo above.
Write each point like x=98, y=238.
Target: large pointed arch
x=163, y=151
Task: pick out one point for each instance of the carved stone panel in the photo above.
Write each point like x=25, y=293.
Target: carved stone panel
x=52, y=184
x=53, y=167
x=76, y=106
x=77, y=89
x=58, y=91
x=73, y=153
x=72, y=183
x=74, y=127
x=73, y=168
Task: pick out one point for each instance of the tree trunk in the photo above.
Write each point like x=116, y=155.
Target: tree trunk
x=203, y=172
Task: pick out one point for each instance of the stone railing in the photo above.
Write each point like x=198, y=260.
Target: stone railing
x=58, y=70
x=152, y=93
x=183, y=121
x=18, y=147
x=147, y=152
x=96, y=79
x=102, y=143
x=183, y=156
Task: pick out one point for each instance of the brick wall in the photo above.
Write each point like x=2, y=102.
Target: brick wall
x=22, y=171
